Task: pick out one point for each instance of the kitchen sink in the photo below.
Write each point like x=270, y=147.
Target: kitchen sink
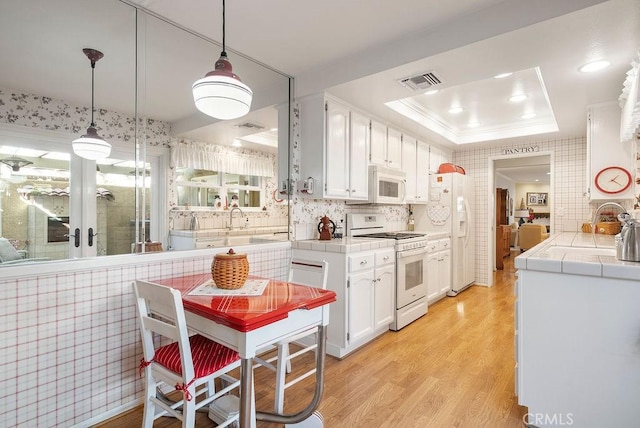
x=560, y=251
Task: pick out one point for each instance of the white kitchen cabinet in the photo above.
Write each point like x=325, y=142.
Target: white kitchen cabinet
x=386, y=146
x=433, y=289
x=361, y=304
x=438, y=269
x=182, y=242
x=444, y=265
x=371, y=293
x=364, y=283
x=394, y=148
x=334, y=149
x=415, y=163
x=385, y=276
x=436, y=157
x=359, y=146
x=604, y=149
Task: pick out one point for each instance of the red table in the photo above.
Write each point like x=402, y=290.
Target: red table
x=250, y=323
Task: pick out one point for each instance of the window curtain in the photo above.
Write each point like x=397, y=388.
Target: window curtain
x=221, y=159
x=630, y=102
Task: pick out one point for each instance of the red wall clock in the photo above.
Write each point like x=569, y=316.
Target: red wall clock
x=612, y=180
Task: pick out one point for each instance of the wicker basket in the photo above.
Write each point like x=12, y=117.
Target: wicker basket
x=230, y=271
x=608, y=227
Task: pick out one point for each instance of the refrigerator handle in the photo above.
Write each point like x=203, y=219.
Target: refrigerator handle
x=466, y=222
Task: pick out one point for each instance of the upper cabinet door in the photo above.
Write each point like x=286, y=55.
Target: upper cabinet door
x=360, y=139
x=409, y=167
x=422, y=172
x=394, y=148
x=415, y=163
x=337, y=151
x=605, y=150
x=378, y=151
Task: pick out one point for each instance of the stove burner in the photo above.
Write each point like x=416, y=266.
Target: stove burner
x=393, y=235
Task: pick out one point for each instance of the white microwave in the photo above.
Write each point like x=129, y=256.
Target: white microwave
x=386, y=186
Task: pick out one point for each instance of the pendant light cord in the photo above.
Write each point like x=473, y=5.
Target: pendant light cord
x=224, y=53
x=93, y=68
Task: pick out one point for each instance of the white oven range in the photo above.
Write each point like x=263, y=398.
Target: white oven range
x=411, y=265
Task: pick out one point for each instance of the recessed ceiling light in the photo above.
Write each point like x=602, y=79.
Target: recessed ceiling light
x=594, y=66
x=537, y=179
x=502, y=75
x=528, y=116
x=473, y=124
x=431, y=91
x=517, y=98
x=236, y=143
x=455, y=110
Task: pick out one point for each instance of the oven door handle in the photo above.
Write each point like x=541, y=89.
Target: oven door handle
x=411, y=253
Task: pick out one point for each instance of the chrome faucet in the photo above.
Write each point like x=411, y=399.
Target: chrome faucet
x=606, y=204
x=231, y=216
x=594, y=221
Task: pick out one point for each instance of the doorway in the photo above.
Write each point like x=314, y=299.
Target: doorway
x=519, y=176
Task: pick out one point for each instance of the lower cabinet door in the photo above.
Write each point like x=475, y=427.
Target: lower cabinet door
x=384, y=296
x=444, y=273
x=361, y=305
x=433, y=285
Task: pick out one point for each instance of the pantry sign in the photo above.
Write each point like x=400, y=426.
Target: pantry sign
x=520, y=150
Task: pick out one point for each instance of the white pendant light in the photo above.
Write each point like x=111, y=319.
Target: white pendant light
x=220, y=93
x=91, y=145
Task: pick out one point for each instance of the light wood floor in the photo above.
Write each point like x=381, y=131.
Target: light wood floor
x=454, y=367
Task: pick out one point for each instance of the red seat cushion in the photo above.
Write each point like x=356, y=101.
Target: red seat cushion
x=208, y=356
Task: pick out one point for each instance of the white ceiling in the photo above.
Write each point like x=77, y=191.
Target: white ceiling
x=355, y=50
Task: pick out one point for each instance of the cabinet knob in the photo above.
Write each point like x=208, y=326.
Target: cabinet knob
x=364, y=262
x=385, y=258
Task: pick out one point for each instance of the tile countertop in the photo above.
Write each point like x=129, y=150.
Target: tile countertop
x=353, y=245
x=343, y=245
x=577, y=253
x=214, y=233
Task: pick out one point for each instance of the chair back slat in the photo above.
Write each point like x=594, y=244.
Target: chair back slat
x=308, y=272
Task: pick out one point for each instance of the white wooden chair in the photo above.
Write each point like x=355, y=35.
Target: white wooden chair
x=305, y=272
x=186, y=362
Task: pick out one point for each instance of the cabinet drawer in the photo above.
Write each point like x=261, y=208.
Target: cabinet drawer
x=209, y=243
x=359, y=262
x=432, y=247
x=444, y=244
x=385, y=257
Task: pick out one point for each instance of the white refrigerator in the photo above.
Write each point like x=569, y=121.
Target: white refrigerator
x=450, y=211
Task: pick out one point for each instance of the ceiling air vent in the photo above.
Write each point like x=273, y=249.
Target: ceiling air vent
x=250, y=125
x=421, y=81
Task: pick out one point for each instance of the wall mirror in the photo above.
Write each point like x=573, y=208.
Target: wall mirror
x=143, y=107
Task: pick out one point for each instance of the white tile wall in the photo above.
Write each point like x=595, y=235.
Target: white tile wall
x=569, y=167
x=69, y=342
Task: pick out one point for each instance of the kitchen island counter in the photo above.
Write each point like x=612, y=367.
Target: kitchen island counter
x=577, y=326
x=579, y=254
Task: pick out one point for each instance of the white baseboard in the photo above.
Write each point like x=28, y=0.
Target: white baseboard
x=107, y=415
